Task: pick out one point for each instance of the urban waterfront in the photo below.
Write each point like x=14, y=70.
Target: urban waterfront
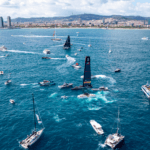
x=66, y=121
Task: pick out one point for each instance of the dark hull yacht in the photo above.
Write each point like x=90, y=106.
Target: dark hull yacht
x=67, y=43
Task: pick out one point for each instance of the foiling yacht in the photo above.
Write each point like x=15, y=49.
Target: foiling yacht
x=146, y=89
x=34, y=136
x=115, y=140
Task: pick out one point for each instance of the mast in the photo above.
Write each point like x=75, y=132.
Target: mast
x=118, y=121
x=55, y=30
x=34, y=112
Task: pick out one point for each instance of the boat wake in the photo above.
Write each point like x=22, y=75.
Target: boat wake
x=59, y=58
x=63, y=68
x=24, y=52
x=31, y=36
x=102, y=145
x=94, y=108
x=112, y=80
x=53, y=95
x=24, y=84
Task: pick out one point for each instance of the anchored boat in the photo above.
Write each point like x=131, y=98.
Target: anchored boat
x=115, y=140
x=146, y=89
x=35, y=135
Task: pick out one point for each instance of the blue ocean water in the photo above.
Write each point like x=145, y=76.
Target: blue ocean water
x=66, y=121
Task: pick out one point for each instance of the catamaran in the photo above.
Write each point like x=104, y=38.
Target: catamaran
x=55, y=39
x=115, y=140
x=87, y=76
x=35, y=135
x=67, y=44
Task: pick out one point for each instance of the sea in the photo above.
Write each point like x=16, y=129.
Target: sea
x=67, y=121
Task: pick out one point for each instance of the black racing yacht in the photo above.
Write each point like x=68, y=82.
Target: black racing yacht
x=87, y=76
x=67, y=43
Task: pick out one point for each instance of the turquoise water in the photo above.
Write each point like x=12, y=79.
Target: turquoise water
x=66, y=121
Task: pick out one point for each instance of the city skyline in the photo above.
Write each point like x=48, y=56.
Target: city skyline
x=51, y=8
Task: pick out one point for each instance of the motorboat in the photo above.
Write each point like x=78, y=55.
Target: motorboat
x=64, y=97
x=1, y=72
x=102, y=88
x=86, y=95
x=46, y=51
x=8, y=82
x=3, y=48
x=12, y=101
x=110, y=51
x=146, y=89
x=78, y=87
x=46, y=57
x=81, y=47
x=34, y=136
x=46, y=83
x=79, y=50
x=144, y=38
x=67, y=44
x=97, y=127
x=76, y=66
x=115, y=140
x=118, y=70
x=67, y=56
x=89, y=45
x=75, y=54
x=66, y=85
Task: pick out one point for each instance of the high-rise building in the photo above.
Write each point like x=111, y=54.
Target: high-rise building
x=1, y=22
x=8, y=21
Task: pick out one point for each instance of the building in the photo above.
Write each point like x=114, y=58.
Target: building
x=8, y=21
x=1, y=22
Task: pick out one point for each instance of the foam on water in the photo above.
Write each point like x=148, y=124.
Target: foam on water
x=2, y=56
x=94, y=108
x=53, y=95
x=59, y=58
x=24, y=84
x=62, y=68
x=57, y=119
x=24, y=52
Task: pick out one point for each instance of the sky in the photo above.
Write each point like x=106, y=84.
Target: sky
x=55, y=8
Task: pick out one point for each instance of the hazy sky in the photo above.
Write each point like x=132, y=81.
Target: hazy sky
x=51, y=8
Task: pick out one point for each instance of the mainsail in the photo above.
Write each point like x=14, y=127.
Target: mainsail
x=67, y=43
x=87, y=73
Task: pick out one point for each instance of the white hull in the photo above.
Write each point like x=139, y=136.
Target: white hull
x=146, y=91
x=31, y=139
x=8, y=82
x=76, y=67
x=46, y=51
x=57, y=39
x=97, y=127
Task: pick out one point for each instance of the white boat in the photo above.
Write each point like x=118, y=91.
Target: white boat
x=76, y=66
x=109, y=51
x=66, y=85
x=3, y=48
x=102, y=88
x=89, y=45
x=55, y=39
x=117, y=70
x=34, y=136
x=46, y=83
x=86, y=95
x=64, y=97
x=146, y=89
x=79, y=50
x=75, y=54
x=67, y=56
x=144, y=38
x=46, y=51
x=12, y=101
x=1, y=72
x=115, y=140
x=97, y=127
x=8, y=82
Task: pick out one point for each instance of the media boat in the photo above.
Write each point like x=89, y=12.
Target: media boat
x=46, y=83
x=67, y=44
x=86, y=95
x=146, y=89
x=102, y=88
x=66, y=85
x=46, y=51
x=115, y=140
x=8, y=82
x=97, y=127
x=86, y=77
x=35, y=135
x=1, y=72
x=12, y=101
x=76, y=66
x=3, y=48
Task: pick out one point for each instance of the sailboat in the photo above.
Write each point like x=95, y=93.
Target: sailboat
x=35, y=135
x=67, y=43
x=87, y=76
x=55, y=39
x=116, y=139
x=89, y=43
